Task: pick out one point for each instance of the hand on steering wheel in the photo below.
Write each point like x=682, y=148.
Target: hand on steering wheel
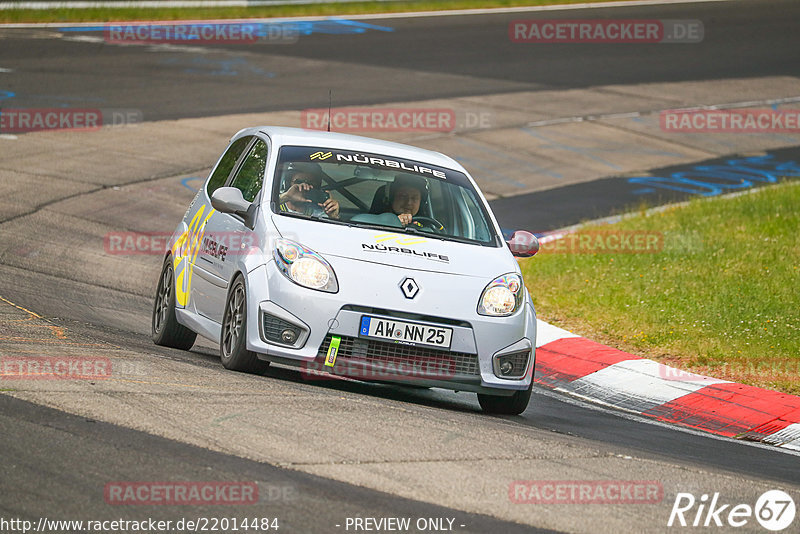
x=429, y=222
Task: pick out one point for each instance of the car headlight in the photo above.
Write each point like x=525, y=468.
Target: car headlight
x=503, y=296
x=304, y=267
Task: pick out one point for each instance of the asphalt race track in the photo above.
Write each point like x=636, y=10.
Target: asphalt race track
x=401, y=59
x=325, y=451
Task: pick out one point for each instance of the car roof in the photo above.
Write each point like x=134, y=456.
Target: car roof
x=297, y=136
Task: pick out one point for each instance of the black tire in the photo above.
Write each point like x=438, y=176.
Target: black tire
x=164, y=326
x=513, y=405
x=232, y=340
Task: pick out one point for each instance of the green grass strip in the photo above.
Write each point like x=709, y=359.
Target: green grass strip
x=719, y=296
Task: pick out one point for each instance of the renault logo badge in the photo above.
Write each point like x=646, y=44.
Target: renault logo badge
x=409, y=288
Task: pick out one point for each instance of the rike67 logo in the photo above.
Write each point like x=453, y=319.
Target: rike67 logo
x=774, y=510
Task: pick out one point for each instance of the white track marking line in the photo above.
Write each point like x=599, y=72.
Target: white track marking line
x=788, y=438
x=638, y=385
x=593, y=404
x=547, y=333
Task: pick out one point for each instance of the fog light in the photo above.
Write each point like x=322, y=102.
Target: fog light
x=288, y=336
x=276, y=330
x=512, y=365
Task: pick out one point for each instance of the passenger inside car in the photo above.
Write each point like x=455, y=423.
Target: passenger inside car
x=302, y=192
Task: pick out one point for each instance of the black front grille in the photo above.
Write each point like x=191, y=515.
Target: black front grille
x=417, y=361
x=273, y=327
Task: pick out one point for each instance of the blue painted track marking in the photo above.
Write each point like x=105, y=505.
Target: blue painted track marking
x=713, y=180
x=332, y=26
x=185, y=183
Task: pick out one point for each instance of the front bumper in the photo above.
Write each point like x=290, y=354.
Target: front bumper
x=470, y=364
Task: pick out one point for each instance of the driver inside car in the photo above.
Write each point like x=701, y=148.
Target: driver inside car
x=406, y=194
x=401, y=204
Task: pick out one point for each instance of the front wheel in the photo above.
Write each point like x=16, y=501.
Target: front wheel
x=233, y=339
x=165, y=328
x=513, y=405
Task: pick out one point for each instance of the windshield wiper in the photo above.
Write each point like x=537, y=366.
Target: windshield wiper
x=318, y=218
x=414, y=230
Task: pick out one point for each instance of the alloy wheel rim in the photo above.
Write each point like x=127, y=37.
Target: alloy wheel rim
x=233, y=324
x=162, y=301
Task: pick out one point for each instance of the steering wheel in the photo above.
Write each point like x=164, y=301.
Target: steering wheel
x=430, y=222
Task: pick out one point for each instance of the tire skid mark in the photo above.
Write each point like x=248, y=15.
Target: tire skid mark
x=58, y=335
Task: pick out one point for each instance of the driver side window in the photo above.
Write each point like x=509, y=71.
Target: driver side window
x=250, y=177
x=226, y=164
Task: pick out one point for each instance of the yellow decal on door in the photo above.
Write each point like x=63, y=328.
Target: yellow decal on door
x=184, y=253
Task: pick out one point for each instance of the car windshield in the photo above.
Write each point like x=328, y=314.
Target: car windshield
x=372, y=190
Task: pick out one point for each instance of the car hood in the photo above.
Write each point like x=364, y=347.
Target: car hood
x=403, y=250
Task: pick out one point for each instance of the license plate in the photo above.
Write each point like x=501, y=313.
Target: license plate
x=412, y=333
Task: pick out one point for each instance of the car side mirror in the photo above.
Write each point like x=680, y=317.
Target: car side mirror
x=230, y=200
x=523, y=244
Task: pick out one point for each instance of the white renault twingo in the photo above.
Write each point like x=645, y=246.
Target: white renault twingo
x=352, y=256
